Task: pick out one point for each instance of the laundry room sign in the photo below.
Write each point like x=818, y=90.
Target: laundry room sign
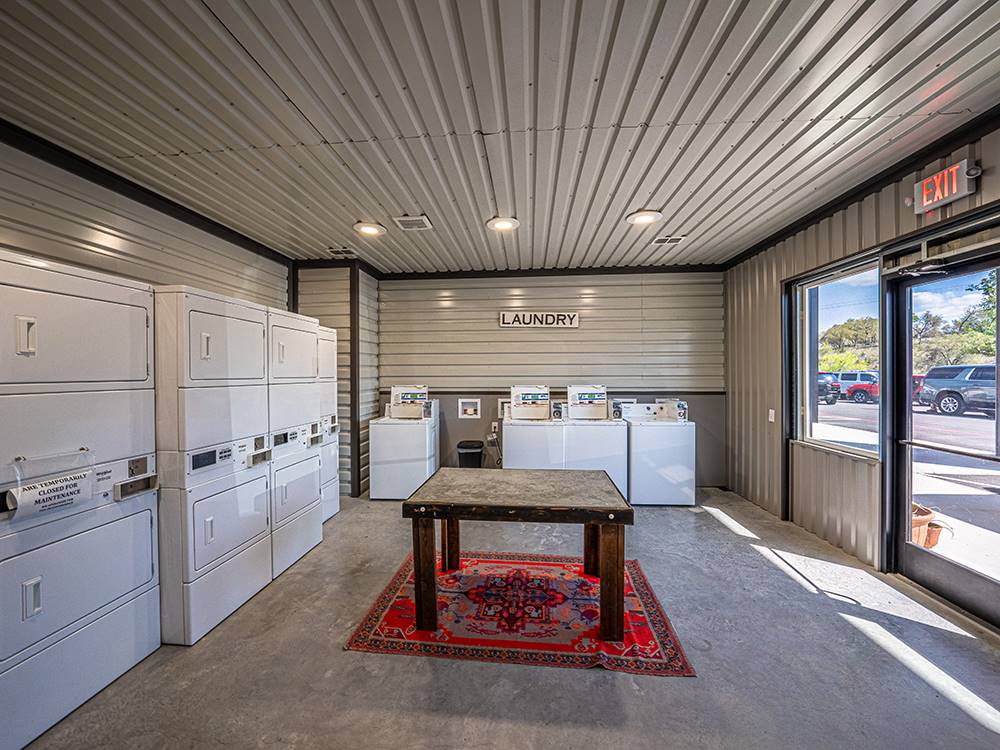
x=521, y=319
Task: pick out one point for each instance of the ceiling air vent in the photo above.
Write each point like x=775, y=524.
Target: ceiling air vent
x=412, y=223
x=342, y=253
x=669, y=239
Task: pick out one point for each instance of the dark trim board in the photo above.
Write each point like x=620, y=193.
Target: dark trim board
x=499, y=274
x=293, y=286
x=33, y=145
x=601, y=271
x=355, y=380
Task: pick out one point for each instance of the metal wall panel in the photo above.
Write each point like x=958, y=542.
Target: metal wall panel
x=836, y=496
x=753, y=351
x=648, y=332
x=47, y=211
x=368, y=365
x=325, y=294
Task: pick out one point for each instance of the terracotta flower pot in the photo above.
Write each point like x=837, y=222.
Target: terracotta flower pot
x=920, y=519
x=933, y=535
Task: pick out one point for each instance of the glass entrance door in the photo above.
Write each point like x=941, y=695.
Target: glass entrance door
x=948, y=514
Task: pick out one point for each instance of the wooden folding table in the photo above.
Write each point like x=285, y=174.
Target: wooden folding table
x=550, y=496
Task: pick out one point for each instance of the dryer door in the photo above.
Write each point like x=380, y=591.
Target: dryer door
x=224, y=348
x=295, y=487
x=45, y=589
x=223, y=522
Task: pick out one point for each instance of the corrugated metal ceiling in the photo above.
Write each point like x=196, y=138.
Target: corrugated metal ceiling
x=290, y=120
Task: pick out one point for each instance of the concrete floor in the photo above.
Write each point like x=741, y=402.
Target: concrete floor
x=795, y=644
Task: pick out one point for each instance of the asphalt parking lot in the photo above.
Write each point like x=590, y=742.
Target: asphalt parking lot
x=972, y=430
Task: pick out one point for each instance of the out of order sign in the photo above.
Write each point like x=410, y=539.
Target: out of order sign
x=944, y=187
x=521, y=319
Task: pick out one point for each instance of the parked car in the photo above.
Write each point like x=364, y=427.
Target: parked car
x=827, y=387
x=956, y=389
x=850, y=378
x=863, y=393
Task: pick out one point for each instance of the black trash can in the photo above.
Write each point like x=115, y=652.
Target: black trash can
x=470, y=454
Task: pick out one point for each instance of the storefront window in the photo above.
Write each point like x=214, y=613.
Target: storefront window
x=838, y=350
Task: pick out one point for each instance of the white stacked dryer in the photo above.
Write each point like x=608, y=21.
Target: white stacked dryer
x=296, y=436
x=213, y=450
x=79, y=598
x=329, y=426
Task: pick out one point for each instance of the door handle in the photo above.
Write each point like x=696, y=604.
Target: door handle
x=27, y=335
x=31, y=598
x=209, y=530
x=206, y=346
x=281, y=351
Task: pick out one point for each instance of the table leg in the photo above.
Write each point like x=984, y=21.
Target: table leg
x=612, y=566
x=424, y=584
x=591, y=549
x=450, y=555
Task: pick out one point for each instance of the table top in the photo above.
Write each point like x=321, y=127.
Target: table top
x=550, y=495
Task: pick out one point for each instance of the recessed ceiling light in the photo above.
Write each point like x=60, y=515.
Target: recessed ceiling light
x=503, y=223
x=369, y=228
x=643, y=217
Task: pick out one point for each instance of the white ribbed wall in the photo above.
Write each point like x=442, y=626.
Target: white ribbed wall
x=637, y=332
x=325, y=293
x=47, y=211
x=753, y=326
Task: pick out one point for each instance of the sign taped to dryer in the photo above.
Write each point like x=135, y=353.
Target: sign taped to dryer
x=49, y=495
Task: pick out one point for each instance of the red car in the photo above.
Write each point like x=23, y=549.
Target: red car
x=863, y=393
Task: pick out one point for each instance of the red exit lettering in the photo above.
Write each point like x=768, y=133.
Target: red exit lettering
x=943, y=187
x=939, y=186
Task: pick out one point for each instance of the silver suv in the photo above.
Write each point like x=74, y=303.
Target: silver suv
x=955, y=389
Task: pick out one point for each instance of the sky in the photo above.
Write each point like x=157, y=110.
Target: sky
x=857, y=297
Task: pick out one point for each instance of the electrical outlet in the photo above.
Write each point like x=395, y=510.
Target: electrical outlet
x=494, y=427
x=770, y=415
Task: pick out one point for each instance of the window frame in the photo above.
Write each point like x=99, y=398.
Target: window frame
x=799, y=353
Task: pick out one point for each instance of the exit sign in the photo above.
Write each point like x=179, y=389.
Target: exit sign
x=943, y=187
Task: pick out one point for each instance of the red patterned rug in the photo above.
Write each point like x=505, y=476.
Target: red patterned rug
x=524, y=609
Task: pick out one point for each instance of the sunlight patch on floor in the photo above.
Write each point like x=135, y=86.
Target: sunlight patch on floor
x=729, y=522
x=934, y=676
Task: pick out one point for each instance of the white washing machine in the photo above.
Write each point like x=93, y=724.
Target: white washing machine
x=215, y=548
x=600, y=444
x=661, y=459
x=296, y=507
x=403, y=454
x=79, y=597
x=534, y=444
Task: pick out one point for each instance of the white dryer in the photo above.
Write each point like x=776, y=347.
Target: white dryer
x=326, y=343
x=329, y=476
x=293, y=370
x=211, y=369
x=215, y=550
x=296, y=508
x=79, y=597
